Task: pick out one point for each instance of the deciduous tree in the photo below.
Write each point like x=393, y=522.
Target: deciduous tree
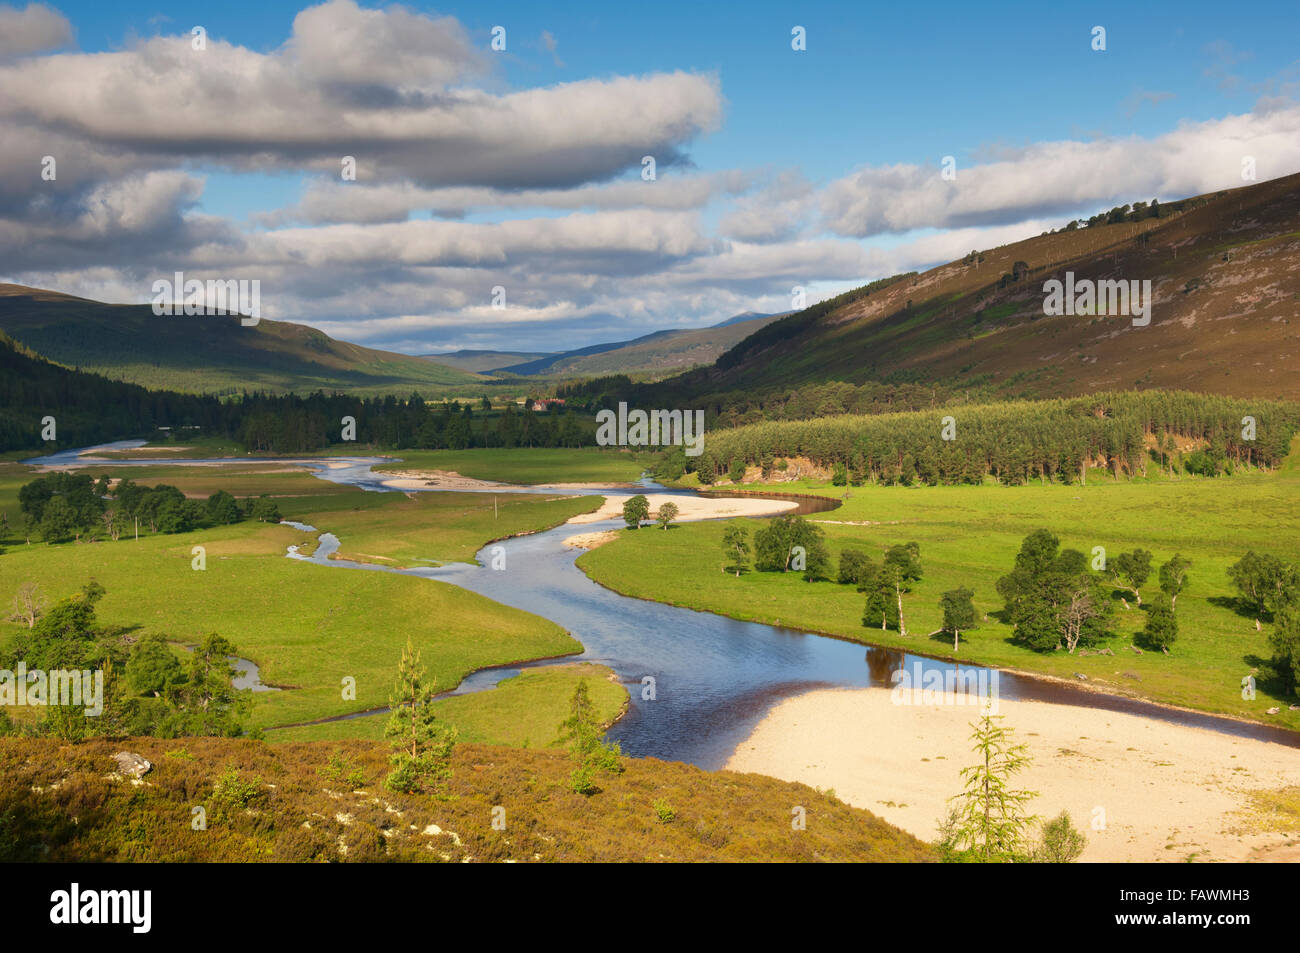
x=735, y=546
x=958, y=612
x=1173, y=578
x=636, y=511
x=1131, y=571
x=1162, y=625
x=666, y=513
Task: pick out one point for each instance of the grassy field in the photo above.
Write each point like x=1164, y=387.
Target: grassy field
x=12, y=476
x=306, y=626
x=530, y=466
x=324, y=801
x=524, y=711
x=338, y=623
x=393, y=529
x=969, y=536
x=194, y=448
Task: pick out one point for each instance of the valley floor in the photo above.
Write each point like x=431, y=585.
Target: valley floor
x=1166, y=792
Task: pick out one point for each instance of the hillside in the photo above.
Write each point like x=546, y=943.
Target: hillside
x=208, y=354
x=478, y=362
x=1226, y=289
x=317, y=801
x=659, y=352
x=88, y=408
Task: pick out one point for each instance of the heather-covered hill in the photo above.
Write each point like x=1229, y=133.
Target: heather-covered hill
x=1225, y=275
x=325, y=801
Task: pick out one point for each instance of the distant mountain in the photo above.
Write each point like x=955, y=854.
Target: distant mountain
x=660, y=351
x=1225, y=317
x=476, y=362
x=747, y=316
x=207, y=354
x=552, y=363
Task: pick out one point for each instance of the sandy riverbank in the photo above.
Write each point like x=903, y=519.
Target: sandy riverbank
x=451, y=480
x=691, y=507
x=1168, y=791
x=591, y=540
x=688, y=508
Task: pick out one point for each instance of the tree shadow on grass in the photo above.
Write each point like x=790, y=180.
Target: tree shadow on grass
x=1125, y=597
x=944, y=637
x=1241, y=607
x=1267, y=677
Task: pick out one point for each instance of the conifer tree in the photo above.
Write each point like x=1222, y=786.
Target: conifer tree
x=989, y=822
x=591, y=754
x=422, y=746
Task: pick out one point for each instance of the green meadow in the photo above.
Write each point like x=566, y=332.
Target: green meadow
x=396, y=529
x=180, y=447
x=523, y=711
x=12, y=476
x=969, y=536
x=308, y=627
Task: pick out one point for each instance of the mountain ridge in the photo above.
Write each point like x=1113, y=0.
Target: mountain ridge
x=979, y=321
x=206, y=354
x=657, y=351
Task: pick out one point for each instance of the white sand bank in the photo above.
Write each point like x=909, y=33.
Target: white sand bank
x=1168, y=791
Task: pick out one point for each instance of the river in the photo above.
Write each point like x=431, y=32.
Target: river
x=699, y=682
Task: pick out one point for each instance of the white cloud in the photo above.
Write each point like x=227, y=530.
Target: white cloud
x=778, y=212
x=369, y=83
x=33, y=29
x=1060, y=177
x=338, y=43
x=326, y=201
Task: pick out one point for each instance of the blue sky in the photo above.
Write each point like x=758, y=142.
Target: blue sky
x=902, y=83
x=877, y=88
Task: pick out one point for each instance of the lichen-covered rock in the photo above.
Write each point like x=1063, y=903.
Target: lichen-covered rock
x=131, y=765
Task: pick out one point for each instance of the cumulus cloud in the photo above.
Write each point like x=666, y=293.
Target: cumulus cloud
x=124, y=221
x=377, y=85
x=1061, y=177
x=33, y=29
x=607, y=242
x=777, y=212
x=340, y=45
x=327, y=201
